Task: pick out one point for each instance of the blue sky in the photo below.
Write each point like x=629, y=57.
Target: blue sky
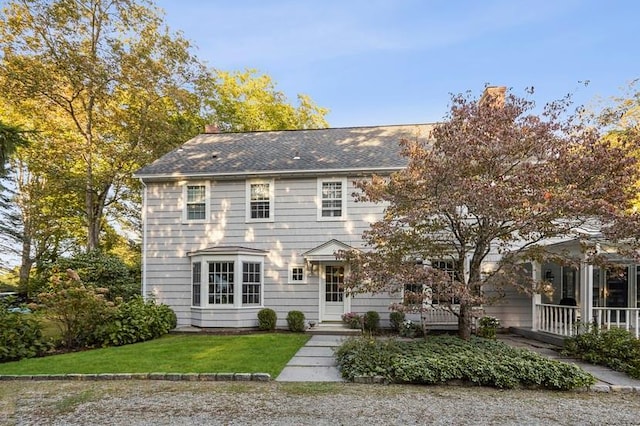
x=374, y=62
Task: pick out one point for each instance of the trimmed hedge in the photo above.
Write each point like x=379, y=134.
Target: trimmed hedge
x=267, y=319
x=295, y=321
x=446, y=358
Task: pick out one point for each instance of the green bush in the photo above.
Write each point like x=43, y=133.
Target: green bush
x=353, y=320
x=488, y=327
x=445, y=358
x=79, y=310
x=616, y=348
x=371, y=322
x=20, y=336
x=99, y=270
x=396, y=319
x=267, y=319
x=137, y=320
x=295, y=320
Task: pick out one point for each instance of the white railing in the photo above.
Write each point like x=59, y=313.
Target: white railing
x=557, y=319
x=436, y=316
x=608, y=318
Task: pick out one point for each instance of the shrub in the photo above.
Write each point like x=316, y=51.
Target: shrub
x=353, y=320
x=488, y=327
x=80, y=311
x=20, y=336
x=137, y=320
x=98, y=270
x=295, y=320
x=616, y=348
x=396, y=319
x=445, y=358
x=371, y=321
x=267, y=319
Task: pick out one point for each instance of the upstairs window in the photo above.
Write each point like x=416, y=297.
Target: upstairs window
x=260, y=201
x=196, y=206
x=332, y=199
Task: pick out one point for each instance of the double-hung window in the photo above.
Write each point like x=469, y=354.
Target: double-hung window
x=221, y=283
x=260, y=201
x=332, y=197
x=251, y=282
x=196, y=202
x=196, y=283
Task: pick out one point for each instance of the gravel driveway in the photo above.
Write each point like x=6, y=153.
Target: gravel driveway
x=136, y=402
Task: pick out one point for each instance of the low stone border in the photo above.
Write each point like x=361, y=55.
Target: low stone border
x=190, y=377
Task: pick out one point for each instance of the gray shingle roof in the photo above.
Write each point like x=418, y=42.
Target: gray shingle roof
x=361, y=149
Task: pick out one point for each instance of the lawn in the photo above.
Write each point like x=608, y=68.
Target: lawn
x=251, y=353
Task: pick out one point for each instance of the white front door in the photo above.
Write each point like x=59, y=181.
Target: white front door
x=333, y=301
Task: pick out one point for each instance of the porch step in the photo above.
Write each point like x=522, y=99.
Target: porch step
x=337, y=328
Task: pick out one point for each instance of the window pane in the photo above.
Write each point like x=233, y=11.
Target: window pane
x=331, y=199
x=221, y=281
x=260, y=201
x=196, y=205
x=196, y=286
x=251, y=282
x=297, y=274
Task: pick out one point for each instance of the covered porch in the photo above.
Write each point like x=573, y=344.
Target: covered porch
x=587, y=295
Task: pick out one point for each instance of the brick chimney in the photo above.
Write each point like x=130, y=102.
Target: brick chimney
x=211, y=129
x=494, y=96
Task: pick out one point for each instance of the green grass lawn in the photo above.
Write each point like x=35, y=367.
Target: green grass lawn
x=251, y=353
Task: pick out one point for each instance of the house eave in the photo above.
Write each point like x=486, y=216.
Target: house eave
x=163, y=177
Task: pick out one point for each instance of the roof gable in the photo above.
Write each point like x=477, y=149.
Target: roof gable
x=364, y=149
x=326, y=251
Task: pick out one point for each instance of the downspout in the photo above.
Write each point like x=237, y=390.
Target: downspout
x=144, y=239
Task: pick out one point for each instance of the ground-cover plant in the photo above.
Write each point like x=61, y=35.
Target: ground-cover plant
x=295, y=321
x=442, y=359
x=267, y=319
x=252, y=353
x=616, y=348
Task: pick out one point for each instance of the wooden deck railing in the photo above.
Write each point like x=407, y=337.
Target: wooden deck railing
x=566, y=321
x=557, y=319
x=608, y=318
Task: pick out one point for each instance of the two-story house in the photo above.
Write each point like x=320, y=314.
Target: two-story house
x=234, y=222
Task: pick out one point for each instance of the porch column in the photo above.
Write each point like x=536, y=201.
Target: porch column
x=536, y=274
x=586, y=292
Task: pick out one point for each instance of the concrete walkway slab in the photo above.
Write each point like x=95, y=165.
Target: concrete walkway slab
x=310, y=374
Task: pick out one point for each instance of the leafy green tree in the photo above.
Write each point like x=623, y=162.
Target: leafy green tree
x=248, y=101
x=493, y=177
x=10, y=139
x=108, y=84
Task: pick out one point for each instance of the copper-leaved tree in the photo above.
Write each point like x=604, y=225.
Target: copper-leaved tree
x=494, y=182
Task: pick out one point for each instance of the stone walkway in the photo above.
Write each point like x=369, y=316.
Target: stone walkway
x=315, y=361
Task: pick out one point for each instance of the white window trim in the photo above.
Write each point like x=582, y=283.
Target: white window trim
x=343, y=181
x=207, y=203
x=304, y=273
x=237, y=261
x=272, y=203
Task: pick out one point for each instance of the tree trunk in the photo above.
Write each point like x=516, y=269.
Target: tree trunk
x=464, y=321
x=26, y=262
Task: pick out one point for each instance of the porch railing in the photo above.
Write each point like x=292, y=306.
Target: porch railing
x=608, y=318
x=557, y=319
x=564, y=320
